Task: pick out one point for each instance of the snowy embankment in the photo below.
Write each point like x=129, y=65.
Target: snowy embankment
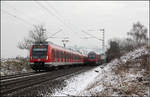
x=115, y=79
x=12, y=66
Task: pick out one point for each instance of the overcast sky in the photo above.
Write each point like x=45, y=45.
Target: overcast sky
x=17, y=18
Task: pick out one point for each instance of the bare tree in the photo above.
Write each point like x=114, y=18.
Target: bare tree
x=113, y=51
x=138, y=34
x=38, y=34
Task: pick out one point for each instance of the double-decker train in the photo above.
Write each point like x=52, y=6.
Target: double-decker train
x=44, y=55
x=94, y=59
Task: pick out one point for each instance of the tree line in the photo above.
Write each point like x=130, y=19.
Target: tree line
x=136, y=37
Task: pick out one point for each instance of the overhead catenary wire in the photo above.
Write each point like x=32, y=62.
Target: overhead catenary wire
x=57, y=17
x=61, y=16
x=17, y=10
x=23, y=20
x=58, y=14
x=17, y=17
x=36, y=20
x=92, y=36
x=55, y=33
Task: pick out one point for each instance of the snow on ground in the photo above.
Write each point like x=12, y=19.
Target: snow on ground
x=109, y=81
x=11, y=66
x=77, y=83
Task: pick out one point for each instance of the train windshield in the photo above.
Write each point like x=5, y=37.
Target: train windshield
x=92, y=56
x=39, y=51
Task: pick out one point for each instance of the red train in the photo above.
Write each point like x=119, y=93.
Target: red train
x=44, y=56
x=94, y=59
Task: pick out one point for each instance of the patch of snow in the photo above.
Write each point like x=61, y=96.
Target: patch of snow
x=77, y=83
x=132, y=55
x=24, y=70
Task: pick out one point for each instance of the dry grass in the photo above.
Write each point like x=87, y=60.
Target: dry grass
x=14, y=66
x=125, y=87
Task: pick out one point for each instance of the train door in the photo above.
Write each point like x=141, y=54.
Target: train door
x=65, y=56
x=61, y=56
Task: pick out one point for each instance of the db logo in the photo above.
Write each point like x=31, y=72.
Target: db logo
x=38, y=59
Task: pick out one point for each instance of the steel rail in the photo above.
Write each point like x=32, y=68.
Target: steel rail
x=10, y=86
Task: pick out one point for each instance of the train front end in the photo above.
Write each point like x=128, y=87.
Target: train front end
x=92, y=58
x=39, y=56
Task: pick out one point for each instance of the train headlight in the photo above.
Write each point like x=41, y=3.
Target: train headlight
x=46, y=57
x=31, y=57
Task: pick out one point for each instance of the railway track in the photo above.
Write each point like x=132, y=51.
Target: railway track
x=14, y=84
x=16, y=75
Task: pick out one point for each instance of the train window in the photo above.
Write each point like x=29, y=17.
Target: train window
x=62, y=55
x=57, y=54
x=52, y=53
x=73, y=57
x=66, y=55
x=69, y=56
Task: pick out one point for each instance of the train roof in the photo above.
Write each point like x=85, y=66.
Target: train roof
x=55, y=46
x=91, y=52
